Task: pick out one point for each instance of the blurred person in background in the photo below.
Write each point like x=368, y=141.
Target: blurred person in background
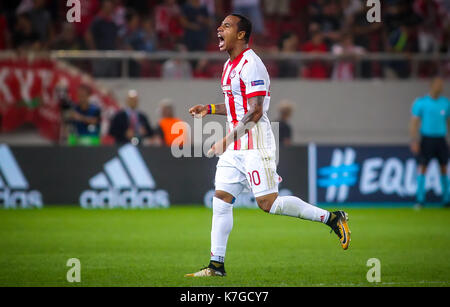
x=67, y=39
x=431, y=32
x=131, y=38
x=24, y=37
x=211, y=6
x=345, y=69
x=177, y=68
x=119, y=14
x=329, y=20
x=172, y=130
x=428, y=131
x=42, y=21
x=131, y=125
x=138, y=33
x=103, y=35
x=363, y=30
x=370, y=37
x=445, y=46
x=399, y=41
x=167, y=22
x=278, y=9
x=5, y=39
x=252, y=10
x=196, y=23
x=289, y=44
x=285, y=109
x=349, y=9
x=103, y=32
x=89, y=9
x=315, y=69
x=24, y=6
x=149, y=37
x=435, y=17
x=85, y=118
x=201, y=70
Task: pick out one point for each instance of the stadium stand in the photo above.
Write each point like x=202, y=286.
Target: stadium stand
x=169, y=25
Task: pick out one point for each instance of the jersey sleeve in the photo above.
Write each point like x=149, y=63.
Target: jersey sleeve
x=255, y=79
x=448, y=106
x=416, y=109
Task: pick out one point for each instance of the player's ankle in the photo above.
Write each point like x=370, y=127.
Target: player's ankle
x=218, y=266
x=216, y=263
x=331, y=219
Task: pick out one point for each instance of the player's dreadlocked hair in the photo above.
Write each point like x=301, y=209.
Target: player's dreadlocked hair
x=245, y=25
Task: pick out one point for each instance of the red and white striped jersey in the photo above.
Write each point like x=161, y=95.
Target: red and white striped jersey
x=243, y=78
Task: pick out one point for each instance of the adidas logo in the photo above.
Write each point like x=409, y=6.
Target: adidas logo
x=126, y=182
x=14, y=185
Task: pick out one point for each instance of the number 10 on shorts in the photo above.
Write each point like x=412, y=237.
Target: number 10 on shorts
x=254, y=177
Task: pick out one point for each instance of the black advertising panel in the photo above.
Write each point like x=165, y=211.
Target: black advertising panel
x=122, y=177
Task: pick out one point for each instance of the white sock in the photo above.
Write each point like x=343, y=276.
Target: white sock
x=222, y=223
x=295, y=207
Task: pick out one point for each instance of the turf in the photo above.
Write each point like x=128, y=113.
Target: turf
x=157, y=247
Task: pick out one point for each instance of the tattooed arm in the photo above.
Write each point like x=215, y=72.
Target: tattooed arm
x=249, y=120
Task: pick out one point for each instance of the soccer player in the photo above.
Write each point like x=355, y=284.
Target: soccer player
x=430, y=113
x=247, y=152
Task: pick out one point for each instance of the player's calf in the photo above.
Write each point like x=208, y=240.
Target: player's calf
x=295, y=207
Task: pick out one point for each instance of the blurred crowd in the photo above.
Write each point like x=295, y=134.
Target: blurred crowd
x=285, y=26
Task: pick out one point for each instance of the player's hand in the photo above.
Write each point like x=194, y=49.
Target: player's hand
x=415, y=147
x=199, y=111
x=217, y=149
x=129, y=134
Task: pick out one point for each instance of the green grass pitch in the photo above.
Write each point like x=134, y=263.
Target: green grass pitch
x=157, y=247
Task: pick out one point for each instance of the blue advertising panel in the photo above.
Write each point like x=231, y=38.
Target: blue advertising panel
x=368, y=175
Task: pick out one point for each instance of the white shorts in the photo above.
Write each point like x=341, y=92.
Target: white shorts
x=253, y=169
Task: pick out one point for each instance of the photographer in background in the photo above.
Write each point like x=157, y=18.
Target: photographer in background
x=84, y=118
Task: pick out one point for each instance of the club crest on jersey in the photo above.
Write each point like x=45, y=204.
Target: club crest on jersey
x=258, y=82
x=233, y=74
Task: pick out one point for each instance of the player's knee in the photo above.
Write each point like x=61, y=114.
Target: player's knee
x=224, y=196
x=265, y=204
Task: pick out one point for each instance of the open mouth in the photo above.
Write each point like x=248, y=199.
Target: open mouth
x=221, y=40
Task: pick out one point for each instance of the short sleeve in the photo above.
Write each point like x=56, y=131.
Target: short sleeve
x=417, y=108
x=255, y=78
x=448, y=107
